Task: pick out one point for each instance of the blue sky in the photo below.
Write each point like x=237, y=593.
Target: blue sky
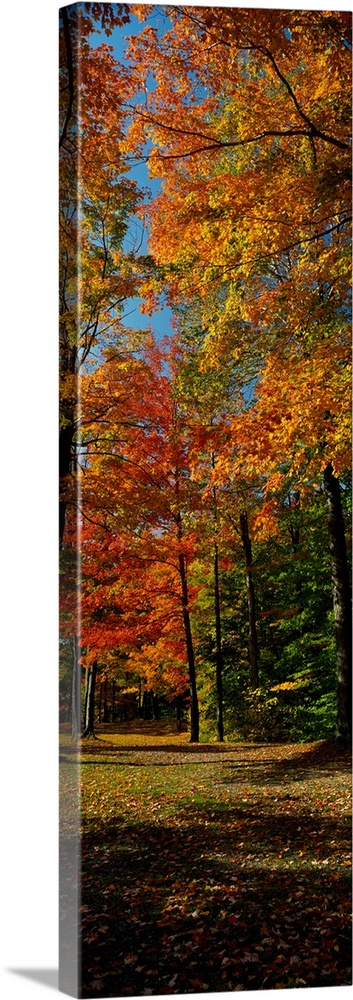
x=160, y=321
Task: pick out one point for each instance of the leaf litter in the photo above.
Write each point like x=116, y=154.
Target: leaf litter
x=213, y=868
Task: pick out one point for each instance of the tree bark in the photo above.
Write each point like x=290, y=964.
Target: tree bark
x=89, y=706
x=100, y=703
x=151, y=706
x=253, y=643
x=217, y=611
x=341, y=605
x=219, y=654
x=66, y=437
x=75, y=691
x=105, y=702
x=194, y=707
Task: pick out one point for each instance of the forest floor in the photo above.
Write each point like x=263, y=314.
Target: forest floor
x=210, y=867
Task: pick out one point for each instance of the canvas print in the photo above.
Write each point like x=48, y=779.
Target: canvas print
x=205, y=499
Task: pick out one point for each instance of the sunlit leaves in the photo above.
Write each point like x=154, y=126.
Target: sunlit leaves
x=257, y=105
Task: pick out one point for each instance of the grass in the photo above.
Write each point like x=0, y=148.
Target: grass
x=209, y=867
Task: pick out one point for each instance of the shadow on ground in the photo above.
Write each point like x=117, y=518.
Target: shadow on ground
x=46, y=977
x=247, y=896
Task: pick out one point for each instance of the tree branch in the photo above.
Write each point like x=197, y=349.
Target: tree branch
x=67, y=37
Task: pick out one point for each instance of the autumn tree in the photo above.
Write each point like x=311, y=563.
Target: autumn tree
x=96, y=200
x=136, y=487
x=249, y=127
x=96, y=273
x=186, y=461
x=212, y=398
x=297, y=436
x=246, y=109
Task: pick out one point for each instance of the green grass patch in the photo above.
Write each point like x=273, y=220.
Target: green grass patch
x=212, y=867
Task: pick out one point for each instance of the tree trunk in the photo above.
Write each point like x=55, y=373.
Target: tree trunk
x=219, y=654
x=65, y=459
x=113, y=701
x=86, y=698
x=178, y=711
x=105, y=703
x=194, y=707
x=89, y=707
x=217, y=610
x=147, y=706
x=100, y=703
x=75, y=691
x=253, y=643
x=151, y=706
x=341, y=605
